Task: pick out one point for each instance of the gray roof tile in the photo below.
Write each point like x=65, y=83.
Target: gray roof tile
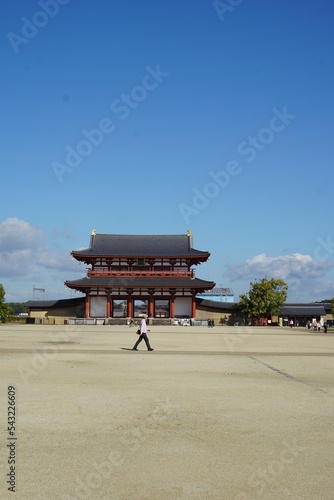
x=141, y=246
x=303, y=310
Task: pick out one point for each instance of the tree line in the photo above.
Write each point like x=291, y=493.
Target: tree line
x=8, y=309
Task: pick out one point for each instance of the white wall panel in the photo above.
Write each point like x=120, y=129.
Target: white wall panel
x=98, y=307
x=182, y=307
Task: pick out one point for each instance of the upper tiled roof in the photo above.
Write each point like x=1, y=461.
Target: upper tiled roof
x=135, y=245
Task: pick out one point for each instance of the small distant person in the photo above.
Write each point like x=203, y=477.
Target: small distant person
x=291, y=323
x=308, y=325
x=143, y=335
x=325, y=327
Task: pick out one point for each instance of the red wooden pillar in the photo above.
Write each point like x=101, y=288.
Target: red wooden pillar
x=172, y=306
x=193, y=306
x=129, y=307
x=129, y=304
x=108, y=305
x=87, y=306
x=150, y=304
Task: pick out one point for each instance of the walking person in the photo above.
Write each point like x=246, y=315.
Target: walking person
x=143, y=335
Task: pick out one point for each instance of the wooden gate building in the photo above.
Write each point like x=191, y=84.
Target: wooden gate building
x=132, y=275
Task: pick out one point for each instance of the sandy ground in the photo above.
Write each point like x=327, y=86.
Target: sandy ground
x=223, y=413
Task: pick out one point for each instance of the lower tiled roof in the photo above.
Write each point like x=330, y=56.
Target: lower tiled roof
x=127, y=282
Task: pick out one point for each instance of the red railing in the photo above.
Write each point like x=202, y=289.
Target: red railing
x=140, y=274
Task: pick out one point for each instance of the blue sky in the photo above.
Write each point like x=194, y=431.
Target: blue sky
x=146, y=117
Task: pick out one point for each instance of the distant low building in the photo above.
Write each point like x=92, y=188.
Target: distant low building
x=55, y=311
x=223, y=313
x=301, y=313
x=218, y=294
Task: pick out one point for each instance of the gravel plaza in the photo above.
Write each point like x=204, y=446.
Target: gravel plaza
x=224, y=413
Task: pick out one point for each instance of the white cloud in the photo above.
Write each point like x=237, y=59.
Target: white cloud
x=285, y=267
x=16, y=234
x=303, y=273
x=309, y=290
x=324, y=290
x=24, y=251
x=16, y=263
x=60, y=260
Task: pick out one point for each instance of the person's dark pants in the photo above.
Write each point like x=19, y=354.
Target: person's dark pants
x=143, y=336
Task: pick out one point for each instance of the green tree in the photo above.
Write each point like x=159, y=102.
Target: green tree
x=4, y=308
x=264, y=299
x=17, y=307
